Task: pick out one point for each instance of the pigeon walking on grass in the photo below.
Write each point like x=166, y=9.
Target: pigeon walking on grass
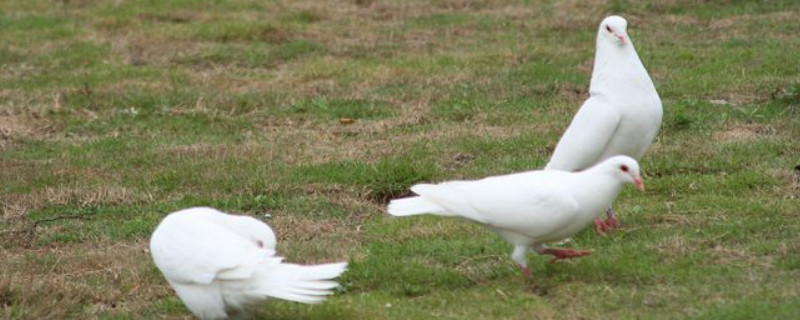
x=528, y=209
x=622, y=115
x=218, y=262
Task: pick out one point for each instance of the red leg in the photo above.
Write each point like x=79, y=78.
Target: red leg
x=563, y=254
x=611, y=219
x=526, y=272
x=610, y=223
x=601, y=226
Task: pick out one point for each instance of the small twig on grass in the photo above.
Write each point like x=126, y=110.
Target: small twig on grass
x=30, y=230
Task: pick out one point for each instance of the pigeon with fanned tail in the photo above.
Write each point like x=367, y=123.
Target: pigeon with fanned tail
x=218, y=262
x=528, y=209
x=622, y=115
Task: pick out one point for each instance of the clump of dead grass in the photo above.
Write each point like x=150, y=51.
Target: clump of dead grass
x=790, y=178
x=741, y=132
x=17, y=126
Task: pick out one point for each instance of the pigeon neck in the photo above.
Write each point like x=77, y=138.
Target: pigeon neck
x=616, y=65
x=598, y=183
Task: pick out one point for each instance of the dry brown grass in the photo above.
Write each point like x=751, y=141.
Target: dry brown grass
x=21, y=120
x=57, y=281
x=741, y=133
x=366, y=46
x=303, y=240
x=15, y=205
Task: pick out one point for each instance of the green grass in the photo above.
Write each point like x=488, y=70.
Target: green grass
x=115, y=113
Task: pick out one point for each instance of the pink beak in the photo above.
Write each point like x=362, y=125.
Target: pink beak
x=637, y=180
x=621, y=38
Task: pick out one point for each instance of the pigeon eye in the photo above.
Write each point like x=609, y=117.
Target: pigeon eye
x=624, y=168
x=608, y=28
x=260, y=243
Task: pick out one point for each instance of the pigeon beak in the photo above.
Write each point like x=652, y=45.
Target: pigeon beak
x=637, y=180
x=621, y=38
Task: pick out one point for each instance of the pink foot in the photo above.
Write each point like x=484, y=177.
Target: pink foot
x=609, y=224
x=601, y=226
x=563, y=254
x=526, y=272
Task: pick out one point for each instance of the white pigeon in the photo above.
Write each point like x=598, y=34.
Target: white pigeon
x=218, y=262
x=622, y=115
x=528, y=209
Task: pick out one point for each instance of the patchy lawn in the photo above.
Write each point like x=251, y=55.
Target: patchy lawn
x=114, y=113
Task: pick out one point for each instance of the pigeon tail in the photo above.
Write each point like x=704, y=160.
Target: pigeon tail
x=414, y=205
x=299, y=283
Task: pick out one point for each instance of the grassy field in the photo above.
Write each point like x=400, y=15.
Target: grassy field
x=114, y=113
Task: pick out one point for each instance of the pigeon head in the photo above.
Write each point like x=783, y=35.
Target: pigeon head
x=625, y=169
x=614, y=29
x=254, y=230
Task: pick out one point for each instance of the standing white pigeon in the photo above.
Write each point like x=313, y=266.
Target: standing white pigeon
x=528, y=209
x=621, y=116
x=218, y=262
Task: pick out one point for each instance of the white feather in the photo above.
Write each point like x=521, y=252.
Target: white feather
x=413, y=206
x=527, y=209
x=216, y=261
x=623, y=113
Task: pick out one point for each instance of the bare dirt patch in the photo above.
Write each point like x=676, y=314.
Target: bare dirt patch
x=740, y=132
x=14, y=127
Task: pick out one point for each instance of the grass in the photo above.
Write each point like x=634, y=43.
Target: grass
x=114, y=113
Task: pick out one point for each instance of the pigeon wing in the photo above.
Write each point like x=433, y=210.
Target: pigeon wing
x=198, y=251
x=525, y=199
x=533, y=202
x=587, y=137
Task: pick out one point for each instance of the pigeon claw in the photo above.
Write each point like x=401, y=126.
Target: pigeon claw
x=563, y=254
x=601, y=226
x=526, y=272
x=609, y=224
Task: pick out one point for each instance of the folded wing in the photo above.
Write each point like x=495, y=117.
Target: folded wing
x=587, y=136
x=190, y=250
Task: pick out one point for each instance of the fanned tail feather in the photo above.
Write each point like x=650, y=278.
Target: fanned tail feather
x=306, y=284
x=413, y=206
